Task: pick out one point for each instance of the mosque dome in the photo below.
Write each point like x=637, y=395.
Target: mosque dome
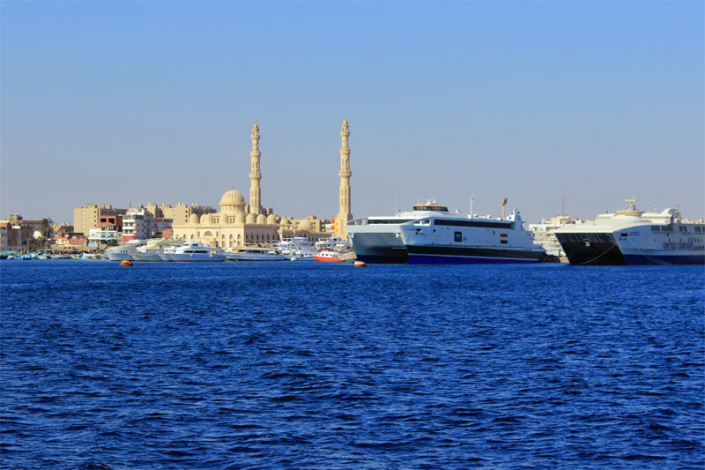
x=240, y=218
x=193, y=219
x=304, y=225
x=271, y=219
x=232, y=202
x=251, y=219
x=261, y=219
x=224, y=219
x=207, y=219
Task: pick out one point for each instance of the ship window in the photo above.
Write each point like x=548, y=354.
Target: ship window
x=655, y=228
x=623, y=234
x=458, y=236
x=683, y=228
x=667, y=228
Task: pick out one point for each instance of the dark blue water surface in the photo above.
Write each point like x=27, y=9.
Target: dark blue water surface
x=322, y=365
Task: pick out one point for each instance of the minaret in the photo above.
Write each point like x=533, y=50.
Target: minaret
x=344, y=213
x=255, y=175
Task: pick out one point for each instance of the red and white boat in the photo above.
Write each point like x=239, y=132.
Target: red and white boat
x=327, y=255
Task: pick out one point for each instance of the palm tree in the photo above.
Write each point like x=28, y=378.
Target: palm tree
x=45, y=228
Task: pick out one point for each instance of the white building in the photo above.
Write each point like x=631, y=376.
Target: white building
x=137, y=225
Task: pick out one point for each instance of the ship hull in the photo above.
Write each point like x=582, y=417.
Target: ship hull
x=658, y=259
x=379, y=248
x=590, y=249
x=604, y=249
x=421, y=254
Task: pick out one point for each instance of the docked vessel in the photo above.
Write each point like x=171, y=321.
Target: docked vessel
x=378, y=239
x=328, y=256
x=253, y=253
x=191, y=252
x=153, y=250
x=632, y=236
x=123, y=252
x=463, y=240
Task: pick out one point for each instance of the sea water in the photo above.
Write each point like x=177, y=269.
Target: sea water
x=323, y=365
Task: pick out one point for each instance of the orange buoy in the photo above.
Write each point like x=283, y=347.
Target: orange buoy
x=125, y=262
x=359, y=264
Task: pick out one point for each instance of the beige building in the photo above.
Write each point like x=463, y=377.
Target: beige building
x=238, y=223
x=88, y=217
x=180, y=213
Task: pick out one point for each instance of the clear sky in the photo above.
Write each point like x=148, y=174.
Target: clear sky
x=112, y=102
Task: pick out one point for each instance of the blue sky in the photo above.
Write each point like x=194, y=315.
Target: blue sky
x=112, y=102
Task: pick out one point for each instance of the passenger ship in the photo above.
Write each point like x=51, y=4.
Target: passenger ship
x=470, y=240
x=378, y=239
x=632, y=236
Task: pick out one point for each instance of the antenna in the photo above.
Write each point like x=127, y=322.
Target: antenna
x=678, y=205
x=656, y=205
x=472, y=199
x=396, y=203
x=563, y=205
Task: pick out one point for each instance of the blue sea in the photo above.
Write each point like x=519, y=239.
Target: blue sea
x=323, y=365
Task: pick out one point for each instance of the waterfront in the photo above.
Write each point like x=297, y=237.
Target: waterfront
x=322, y=365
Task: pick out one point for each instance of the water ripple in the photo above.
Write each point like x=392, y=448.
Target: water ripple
x=299, y=365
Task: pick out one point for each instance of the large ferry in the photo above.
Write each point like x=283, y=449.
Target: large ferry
x=632, y=236
x=378, y=239
x=470, y=240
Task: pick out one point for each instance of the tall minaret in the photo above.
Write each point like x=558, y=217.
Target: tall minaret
x=255, y=175
x=344, y=213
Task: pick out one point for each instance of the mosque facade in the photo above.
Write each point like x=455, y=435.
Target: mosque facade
x=238, y=223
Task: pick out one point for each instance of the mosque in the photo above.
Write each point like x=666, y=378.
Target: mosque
x=239, y=223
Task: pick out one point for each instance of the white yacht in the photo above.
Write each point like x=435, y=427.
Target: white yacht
x=632, y=236
x=253, y=253
x=470, y=240
x=191, y=252
x=378, y=239
x=123, y=252
x=153, y=249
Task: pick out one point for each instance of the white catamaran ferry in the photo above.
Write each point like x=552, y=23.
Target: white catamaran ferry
x=470, y=240
x=378, y=239
x=632, y=236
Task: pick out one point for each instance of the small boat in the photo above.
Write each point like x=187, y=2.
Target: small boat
x=328, y=256
x=302, y=254
x=253, y=253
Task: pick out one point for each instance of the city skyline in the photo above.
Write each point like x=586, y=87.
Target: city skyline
x=108, y=103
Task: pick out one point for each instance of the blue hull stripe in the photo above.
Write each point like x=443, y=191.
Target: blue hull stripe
x=661, y=259
x=431, y=259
